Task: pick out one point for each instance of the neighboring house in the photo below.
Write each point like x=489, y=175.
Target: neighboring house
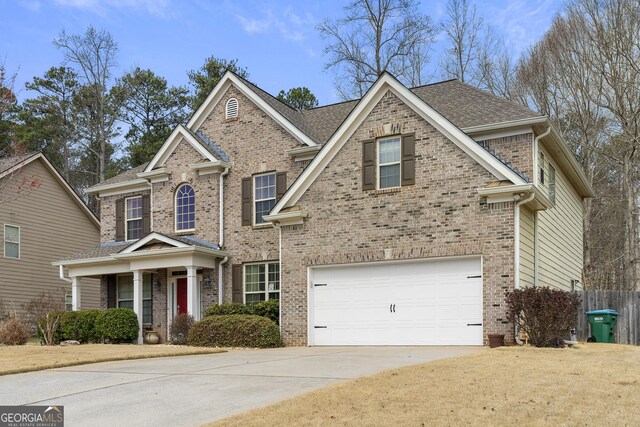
x=42, y=219
x=399, y=218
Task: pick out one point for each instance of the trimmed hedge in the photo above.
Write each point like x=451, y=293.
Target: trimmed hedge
x=117, y=325
x=79, y=326
x=269, y=309
x=227, y=309
x=235, y=330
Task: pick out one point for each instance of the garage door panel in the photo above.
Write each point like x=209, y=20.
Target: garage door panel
x=414, y=303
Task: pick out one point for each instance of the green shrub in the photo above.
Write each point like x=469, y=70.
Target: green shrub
x=14, y=332
x=180, y=328
x=227, y=309
x=546, y=315
x=117, y=325
x=79, y=326
x=269, y=309
x=235, y=330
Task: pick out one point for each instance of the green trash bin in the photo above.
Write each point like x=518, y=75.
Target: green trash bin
x=603, y=323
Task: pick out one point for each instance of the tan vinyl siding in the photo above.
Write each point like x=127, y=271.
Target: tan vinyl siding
x=527, y=252
x=52, y=227
x=560, y=234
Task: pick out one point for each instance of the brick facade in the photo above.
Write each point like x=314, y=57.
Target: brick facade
x=516, y=149
x=441, y=215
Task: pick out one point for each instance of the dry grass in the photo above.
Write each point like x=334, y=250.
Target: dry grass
x=591, y=384
x=27, y=358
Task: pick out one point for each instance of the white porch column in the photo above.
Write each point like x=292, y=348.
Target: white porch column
x=75, y=293
x=193, y=293
x=137, y=300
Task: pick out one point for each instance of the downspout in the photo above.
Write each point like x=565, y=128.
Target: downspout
x=535, y=248
x=516, y=244
x=62, y=274
x=280, y=270
x=221, y=240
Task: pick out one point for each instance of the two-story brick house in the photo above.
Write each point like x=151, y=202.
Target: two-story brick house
x=399, y=218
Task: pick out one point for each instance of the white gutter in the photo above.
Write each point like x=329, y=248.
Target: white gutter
x=62, y=275
x=536, y=142
x=221, y=225
x=516, y=245
x=501, y=125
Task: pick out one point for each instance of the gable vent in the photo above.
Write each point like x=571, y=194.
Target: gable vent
x=232, y=109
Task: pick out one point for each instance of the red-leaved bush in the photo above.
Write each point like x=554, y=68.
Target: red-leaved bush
x=546, y=315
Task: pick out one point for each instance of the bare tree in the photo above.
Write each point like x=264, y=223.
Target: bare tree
x=585, y=73
x=94, y=56
x=475, y=53
x=377, y=36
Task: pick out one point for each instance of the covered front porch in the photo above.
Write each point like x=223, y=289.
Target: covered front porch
x=157, y=276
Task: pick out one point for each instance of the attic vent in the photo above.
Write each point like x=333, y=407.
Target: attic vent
x=232, y=108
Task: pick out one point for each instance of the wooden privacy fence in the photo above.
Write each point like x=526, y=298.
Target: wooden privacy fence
x=626, y=303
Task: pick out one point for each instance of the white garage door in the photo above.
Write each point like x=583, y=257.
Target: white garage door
x=435, y=302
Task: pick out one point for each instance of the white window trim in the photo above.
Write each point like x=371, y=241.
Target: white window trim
x=127, y=219
x=253, y=196
x=143, y=298
x=541, y=169
x=379, y=165
x=175, y=210
x=553, y=186
x=266, y=285
x=19, y=242
x=226, y=109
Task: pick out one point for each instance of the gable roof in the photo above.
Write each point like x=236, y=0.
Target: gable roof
x=291, y=120
x=12, y=164
x=389, y=83
x=201, y=146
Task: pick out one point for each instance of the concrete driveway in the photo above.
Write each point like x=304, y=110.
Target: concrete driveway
x=191, y=390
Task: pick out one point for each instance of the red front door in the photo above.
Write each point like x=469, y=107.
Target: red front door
x=182, y=296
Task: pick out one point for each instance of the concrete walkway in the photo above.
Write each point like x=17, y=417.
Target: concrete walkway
x=191, y=390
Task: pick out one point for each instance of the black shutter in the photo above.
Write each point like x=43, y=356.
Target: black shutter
x=111, y=292
x=408, y=159
x=146, y=214
x=369, y=165
x=281, y=184
x=246, y=201
x=120, y=220
x=236, y=283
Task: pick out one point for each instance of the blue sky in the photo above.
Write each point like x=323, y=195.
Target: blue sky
x=275, y=40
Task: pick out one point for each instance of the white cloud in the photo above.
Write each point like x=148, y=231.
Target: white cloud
x=154, y=7
x=287, y=23
x=521, y=22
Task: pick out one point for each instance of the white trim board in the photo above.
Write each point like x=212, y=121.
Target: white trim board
x=357, y=116
x=170, y=145
x=218, y=92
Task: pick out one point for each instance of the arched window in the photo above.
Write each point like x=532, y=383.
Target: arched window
x=232, y=109
x=185, y=208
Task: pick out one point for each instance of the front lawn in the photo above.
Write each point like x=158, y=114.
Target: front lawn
x=587, y=384
x=25, y=358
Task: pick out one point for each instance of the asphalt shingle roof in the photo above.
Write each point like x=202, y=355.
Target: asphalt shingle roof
x=129, y=175
x=102, y=250
x=462, y=104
